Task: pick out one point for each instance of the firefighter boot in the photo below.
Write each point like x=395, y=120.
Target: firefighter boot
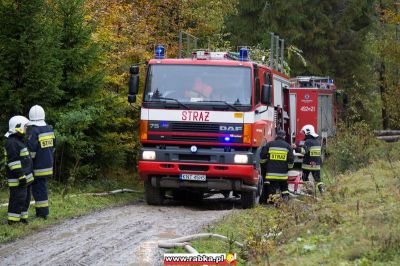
x=321, y=187
x=285, y=198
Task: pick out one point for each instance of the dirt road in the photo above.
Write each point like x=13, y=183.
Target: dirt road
x=125, y=235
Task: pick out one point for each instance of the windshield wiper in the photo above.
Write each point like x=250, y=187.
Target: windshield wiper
x=169, y=99
x=226, y=103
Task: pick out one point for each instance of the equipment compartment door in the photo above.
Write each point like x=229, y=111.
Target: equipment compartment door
x=325, y=114
x=292, y=114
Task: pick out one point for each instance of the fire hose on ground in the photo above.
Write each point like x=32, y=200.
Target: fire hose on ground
x=184, y=241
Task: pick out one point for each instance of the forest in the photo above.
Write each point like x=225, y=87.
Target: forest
x=73, y=56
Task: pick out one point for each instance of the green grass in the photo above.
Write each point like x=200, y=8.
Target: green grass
x=66, y=202
x=356, y=223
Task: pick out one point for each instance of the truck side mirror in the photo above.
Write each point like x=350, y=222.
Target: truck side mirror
x=133, y=83
x=266, y=94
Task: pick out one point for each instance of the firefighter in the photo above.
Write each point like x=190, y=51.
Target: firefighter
x=276, y=158
x=199, y=89
x=19, y=170
x=41, y=141
x=312, y=156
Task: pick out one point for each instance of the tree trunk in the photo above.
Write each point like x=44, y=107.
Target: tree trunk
x=382, y=88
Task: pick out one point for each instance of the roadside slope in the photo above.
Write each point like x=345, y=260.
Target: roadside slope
x=356, y=223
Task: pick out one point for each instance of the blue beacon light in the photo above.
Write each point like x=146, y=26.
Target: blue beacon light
x=227, y=139
x=159, y=52
x=243, y=54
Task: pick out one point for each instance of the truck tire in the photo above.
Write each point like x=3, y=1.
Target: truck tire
x=248, y=199
x=154, y=195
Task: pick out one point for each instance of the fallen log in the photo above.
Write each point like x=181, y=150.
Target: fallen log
x=386, y=132
x=389, y=138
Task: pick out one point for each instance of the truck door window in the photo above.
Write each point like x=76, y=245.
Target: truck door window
x=257, y=96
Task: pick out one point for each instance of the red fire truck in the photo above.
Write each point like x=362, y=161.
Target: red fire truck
x=204, y=120
x=312, y=101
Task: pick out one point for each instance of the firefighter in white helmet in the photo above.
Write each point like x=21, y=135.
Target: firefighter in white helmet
x=312, y=155
x=41, y=141
x=19, y=170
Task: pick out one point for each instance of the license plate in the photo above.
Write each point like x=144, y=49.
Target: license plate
x=192, y=177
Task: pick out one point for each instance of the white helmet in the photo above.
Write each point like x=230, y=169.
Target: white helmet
x=309, y=130
x=36, y=116
x=16, y=124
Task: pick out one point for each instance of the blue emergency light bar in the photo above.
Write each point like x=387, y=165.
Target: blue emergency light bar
x=243, y=54
x=159, y=52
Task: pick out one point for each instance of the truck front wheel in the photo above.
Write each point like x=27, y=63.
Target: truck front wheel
x=248, y=199
x=154, y=195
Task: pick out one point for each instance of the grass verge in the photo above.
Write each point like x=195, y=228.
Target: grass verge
x=356, y=223
x=67, y=202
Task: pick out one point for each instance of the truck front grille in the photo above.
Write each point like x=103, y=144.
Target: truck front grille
x=195, y=138
x=194, y=127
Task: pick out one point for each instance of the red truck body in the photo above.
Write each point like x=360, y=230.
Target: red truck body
x=312, y=101
x=210, y=142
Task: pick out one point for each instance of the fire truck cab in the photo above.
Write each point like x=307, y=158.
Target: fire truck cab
x=203, y=122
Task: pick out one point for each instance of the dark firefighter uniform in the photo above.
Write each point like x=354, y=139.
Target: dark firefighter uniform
x=41, y=141
x=19, y=175
x=312, y=160
x=276, y=158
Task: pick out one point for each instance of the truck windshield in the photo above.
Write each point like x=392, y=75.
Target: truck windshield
x=225, y=86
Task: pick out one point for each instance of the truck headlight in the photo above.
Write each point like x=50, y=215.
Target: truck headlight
x=241, y=158
x=149, y=155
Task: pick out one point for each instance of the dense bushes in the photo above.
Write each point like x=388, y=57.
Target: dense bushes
x=355, y=146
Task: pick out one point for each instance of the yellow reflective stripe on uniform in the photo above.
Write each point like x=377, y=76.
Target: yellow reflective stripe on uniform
x=43, y=172
x=41, y=204
x=46, y=136
x=14, y=217
x=319, y=183
x=285, y=192
x=29, y=178
x=310, y=167
x=24, y=215
x=302, y=151
x=290, y=165
x=263, y=160
x=33, y=155
x=22, y=177
x=276, y=177
x=15, y=165
x=315, y=151
x=13, y=182
x=24, y=152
